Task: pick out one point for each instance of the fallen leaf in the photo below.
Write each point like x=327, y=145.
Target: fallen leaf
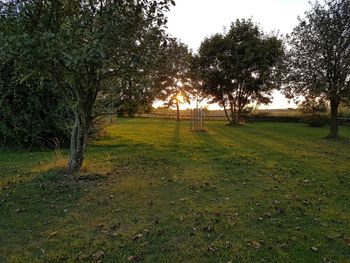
x=98, y=255
x=314, y=249
x=254, y=244
x=137, y=237
x=212, y=248
x=284, y=246
x=131, y=258
x=53, y=234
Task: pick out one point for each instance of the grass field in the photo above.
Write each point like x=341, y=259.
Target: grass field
x=259, y=193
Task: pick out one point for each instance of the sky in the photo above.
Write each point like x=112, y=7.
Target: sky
x=193, y=20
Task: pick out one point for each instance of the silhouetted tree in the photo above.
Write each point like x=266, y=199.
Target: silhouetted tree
x=319, y=57
x=240, y=67
x=174, y=75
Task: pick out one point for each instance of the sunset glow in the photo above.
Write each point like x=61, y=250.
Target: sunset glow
x=180, y=98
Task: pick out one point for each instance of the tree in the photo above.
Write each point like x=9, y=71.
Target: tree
x=81, y=46
x=319, y=57
x=240, y=67
x=174, y=76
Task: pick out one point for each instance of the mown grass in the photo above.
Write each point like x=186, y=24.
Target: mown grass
x=262, y=192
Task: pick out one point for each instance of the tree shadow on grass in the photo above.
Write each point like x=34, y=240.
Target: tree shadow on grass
x=272, y=198
x=30, y=211
x=163, y=195
x=177, y=134
x=273, y=148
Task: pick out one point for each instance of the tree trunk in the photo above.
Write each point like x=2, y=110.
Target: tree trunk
x=178, y=111
x=334, y=119
x=238, y=116
x=233, y=113
x=226, y=113
x=77, y=144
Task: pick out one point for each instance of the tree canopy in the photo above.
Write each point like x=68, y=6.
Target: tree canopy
x=240, y=67
x=80, y=46
x=318, y=63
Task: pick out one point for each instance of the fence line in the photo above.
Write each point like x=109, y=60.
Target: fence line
x=209, y=117
x=182, y=116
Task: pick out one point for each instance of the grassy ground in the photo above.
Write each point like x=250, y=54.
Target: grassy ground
x=259, y=193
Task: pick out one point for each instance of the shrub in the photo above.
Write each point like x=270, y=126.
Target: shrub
x=316, y=120
x=32, y=113
x=267, y=118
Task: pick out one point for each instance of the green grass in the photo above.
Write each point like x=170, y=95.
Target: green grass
x=262, y=192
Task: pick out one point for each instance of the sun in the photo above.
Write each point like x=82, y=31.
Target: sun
x=180, y=98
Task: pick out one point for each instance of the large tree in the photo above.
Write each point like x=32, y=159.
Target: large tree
x=239, y=67
x=174, y=81
x=319, y=56
x=81, y=46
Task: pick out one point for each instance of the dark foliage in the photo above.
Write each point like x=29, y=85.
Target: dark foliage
x=316, y=120
x=32, y=113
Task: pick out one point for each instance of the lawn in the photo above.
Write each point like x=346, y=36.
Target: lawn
x=153, y=191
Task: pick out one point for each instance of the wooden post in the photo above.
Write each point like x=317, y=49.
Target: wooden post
x=191, y=120
x=197, y=117
x=203, y=120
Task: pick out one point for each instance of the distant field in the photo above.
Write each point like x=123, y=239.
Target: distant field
x=343, y=112
x=276, y=112
x=263, y=192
